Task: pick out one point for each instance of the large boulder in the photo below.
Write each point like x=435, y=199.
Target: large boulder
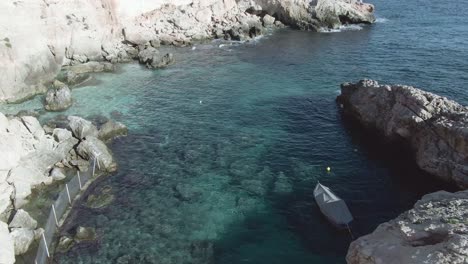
x=58, y=98
x=334, y=13
x=92, y=148
x=22, y=238
x=434, y=231
x=23, y=220
x=112, y=129
x=82, y=128
x=7, y=246
x=433, y=126
x=153, y=59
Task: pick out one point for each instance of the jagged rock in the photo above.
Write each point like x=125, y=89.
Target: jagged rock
x=23, y=220
x=58, y=98
x=85, y=233
x=91, y=148
x=7, y=246
x=65, y=244
x=101, y=199
x=82, y=128
x=22, y=238
x=433, y=126
x=61, y=134
x=112, y=129
x=268, y=21
x=334, y=13
x=153, y=59
x=434, y=231
x=57, y=174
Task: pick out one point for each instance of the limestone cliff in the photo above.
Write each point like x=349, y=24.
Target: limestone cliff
x=435, y=127
x=37, y=37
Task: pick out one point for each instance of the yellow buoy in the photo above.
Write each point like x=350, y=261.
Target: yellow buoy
x=328, y=169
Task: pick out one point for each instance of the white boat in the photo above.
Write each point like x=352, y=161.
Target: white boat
x=332, y=206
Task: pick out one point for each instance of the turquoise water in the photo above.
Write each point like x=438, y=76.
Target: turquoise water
x=226, y=146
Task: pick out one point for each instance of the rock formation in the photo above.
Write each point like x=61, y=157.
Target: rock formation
x=434, y=231
x=58, y=98
x=32, y=156
x=38, y=37
x=433, y=126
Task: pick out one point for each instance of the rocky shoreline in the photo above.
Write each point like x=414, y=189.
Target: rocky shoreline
x=73, y=33
x=34, y=156
x=435, y=129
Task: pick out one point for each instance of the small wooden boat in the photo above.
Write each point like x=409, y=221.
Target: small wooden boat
x=333, y=207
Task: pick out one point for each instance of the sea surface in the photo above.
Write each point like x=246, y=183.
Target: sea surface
x=225, y=147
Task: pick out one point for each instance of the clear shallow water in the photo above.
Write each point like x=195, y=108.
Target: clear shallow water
x=230, y=179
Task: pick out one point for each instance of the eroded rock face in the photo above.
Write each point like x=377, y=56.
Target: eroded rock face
x=434, y=231
x=434, y=126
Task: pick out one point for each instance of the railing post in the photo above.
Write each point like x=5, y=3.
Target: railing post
x=45, y=244
x=94, y=166
x=55, y=215
x=79, y=180
x=68, y=193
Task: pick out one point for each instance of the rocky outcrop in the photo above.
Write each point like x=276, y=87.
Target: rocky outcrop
x=433, y=126
x=434, y=231
x=74, y=32
x=58, y=98
x=153, y=59
x=32, y=156
x=337, y=13
x=92, y=148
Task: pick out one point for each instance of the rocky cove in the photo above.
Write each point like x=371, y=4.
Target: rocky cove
x=180, y=174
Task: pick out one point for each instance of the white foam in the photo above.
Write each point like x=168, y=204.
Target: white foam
x=341, y=29
x=381, y=20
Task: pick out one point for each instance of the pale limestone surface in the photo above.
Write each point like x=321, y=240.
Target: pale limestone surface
x=435, y=231
x=38, y=37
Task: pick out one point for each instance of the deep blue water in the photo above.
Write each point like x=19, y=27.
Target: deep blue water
x=226, y=146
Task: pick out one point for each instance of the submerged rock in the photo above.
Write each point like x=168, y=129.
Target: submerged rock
x=58, y=98
x=433, y=126
x=434, y=231
x=112, y=129
x=101, y=199
x=65, y=243
x=85, y=234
